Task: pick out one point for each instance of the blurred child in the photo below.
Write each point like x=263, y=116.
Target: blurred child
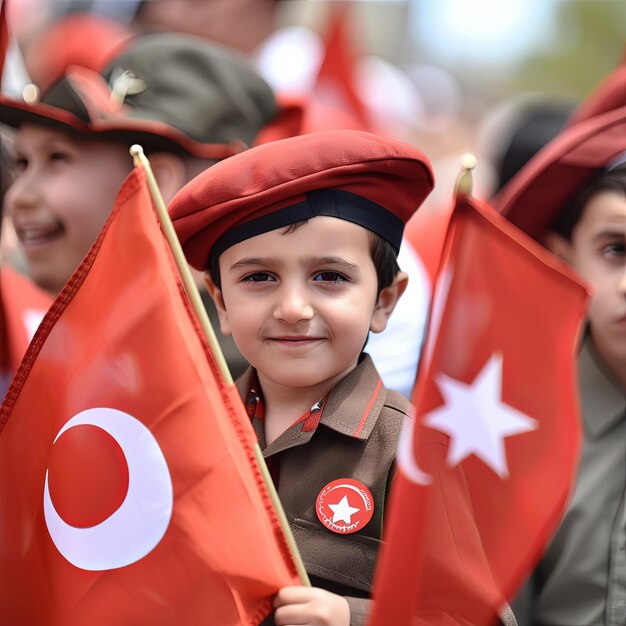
x=299, y=240
x=188, y=102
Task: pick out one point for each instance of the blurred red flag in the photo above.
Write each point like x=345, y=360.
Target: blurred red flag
x=4, y=35
x=485, y=472
x=128, y=484
x=336, y=80
x=22, y=306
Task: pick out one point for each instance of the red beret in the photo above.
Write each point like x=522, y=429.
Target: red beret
x=353, y=175
x=593, y=138
x=535, y=196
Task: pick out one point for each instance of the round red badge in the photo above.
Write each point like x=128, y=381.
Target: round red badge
x=344, y=506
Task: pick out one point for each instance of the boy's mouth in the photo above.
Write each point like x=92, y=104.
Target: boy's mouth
x=36, y=236
x=295, y=340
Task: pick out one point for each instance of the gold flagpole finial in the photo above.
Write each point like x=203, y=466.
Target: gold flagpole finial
x=464, y=181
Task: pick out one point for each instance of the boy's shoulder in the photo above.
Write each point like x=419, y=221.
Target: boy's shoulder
x=360, y=402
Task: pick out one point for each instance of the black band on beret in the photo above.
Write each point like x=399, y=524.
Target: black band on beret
x=330, y=202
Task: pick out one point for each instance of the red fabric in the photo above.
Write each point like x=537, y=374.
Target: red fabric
x=333, y=101
x=299, y=114
x=335, y=82
x=84, y=39
x=426, y=232
x=4, y=35
x=121, y=336
x=463, y=532
x=21, y=303
x=275, y=175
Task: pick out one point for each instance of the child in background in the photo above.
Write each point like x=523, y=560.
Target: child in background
x=186, y=101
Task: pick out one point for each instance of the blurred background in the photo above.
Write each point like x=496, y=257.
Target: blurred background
x=496, y=78
x=450, y=76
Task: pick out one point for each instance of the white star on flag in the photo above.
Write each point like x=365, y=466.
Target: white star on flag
x=476, y=419
x=343, y=511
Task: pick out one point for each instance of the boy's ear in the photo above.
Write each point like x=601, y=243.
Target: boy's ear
x=559, y=246
x=218, y=299
x=170, y=173
x=387, y=300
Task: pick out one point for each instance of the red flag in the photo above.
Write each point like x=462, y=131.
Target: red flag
x=128, y=485
x=486, y=470
x=426, y=231
x=335, y=83
x=4, y=35
x=22, y=307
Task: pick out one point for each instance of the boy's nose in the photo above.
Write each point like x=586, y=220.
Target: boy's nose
x=22, y=193
x=293, y=305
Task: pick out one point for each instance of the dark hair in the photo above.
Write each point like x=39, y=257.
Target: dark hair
x=607, y=180
x=382, y=252
x=385, y=260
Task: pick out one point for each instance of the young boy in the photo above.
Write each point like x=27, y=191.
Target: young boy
x=299, y=239
x=188, y=102
x=572, y=197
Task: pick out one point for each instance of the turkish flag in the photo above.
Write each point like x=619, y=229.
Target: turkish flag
x=486, y=467
x=129, y=489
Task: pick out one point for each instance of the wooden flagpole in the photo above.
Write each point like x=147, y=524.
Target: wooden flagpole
x=191, y=288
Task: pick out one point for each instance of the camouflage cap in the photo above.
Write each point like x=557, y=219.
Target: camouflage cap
x=166, y=91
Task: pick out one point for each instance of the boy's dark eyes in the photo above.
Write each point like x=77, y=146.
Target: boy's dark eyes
x=329, y=277
x=257, y=277
x=319, y=277
x=58, y=156
x=615, y=249
x=21, y=163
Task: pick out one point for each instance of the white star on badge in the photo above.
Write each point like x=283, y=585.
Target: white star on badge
x=476, y=419
x=342, y=511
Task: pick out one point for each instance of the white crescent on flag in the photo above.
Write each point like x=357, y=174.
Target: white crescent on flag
x=405, y=457
x=139, y=524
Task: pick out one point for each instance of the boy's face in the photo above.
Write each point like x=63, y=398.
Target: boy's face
x=299, y=305
x=596, y=251
x=62, y=195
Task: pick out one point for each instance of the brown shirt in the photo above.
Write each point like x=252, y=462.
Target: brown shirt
x=351, y=434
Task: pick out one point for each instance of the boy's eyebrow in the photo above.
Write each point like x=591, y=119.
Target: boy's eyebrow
x=255, y=261
x=335, y=261
x=611, y=232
